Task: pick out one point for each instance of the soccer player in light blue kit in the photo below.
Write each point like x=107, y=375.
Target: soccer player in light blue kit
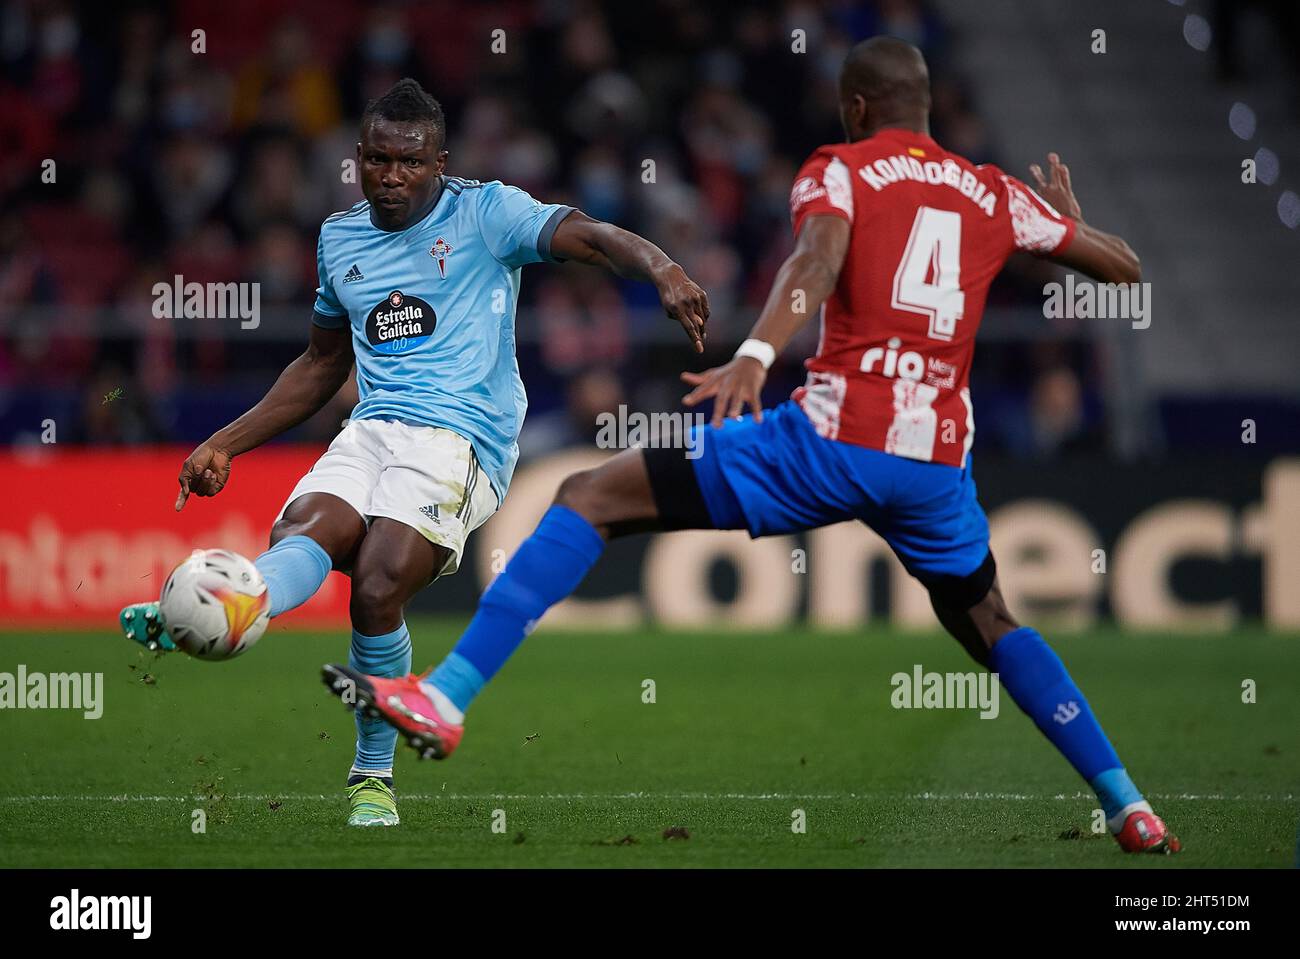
x=418, y=285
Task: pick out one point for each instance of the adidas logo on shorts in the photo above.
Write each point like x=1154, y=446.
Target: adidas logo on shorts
x=431, y=511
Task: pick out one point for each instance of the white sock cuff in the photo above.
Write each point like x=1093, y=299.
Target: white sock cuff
x=446, y=708
x=377, y=773
x=1116, y=822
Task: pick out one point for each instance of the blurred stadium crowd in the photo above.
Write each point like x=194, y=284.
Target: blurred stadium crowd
x=220, y=166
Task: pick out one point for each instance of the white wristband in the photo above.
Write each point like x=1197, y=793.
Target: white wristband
x=760, y=350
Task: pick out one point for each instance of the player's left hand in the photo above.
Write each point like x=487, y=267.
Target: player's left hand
x=731, y=386
x=685, y=302
x=1057, y=191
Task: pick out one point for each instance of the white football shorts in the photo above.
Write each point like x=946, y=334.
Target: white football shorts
x=424, y=476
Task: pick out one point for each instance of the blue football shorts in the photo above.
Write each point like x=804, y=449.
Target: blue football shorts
x=780, y=476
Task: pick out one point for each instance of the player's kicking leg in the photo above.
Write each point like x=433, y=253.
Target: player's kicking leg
x=320, y=527
x=317, y=532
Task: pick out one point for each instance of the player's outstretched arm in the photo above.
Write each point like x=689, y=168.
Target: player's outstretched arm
x=306, y=385
x=806, y=278
x=581, y=238
x=1103, y=256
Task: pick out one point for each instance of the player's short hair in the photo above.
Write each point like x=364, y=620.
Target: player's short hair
x=407, y=102
x=886, y=69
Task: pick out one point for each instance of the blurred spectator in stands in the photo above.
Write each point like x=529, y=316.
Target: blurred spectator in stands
x=283, y=267
x=274, y=187
x=27, y=133
x=25, y=274
x=211, y=255
x=53, y=72
x=135, y=69
x=600, y=185
x=608, y=110
x=382, y=55
x=491, y=144
x=220, y=167
x=955, y=124
x=156, y=335
x=188, y=183
x=681, y=222
x=765, y=238
x=728, y=141
x=286, y=88
x=195, y=97
x=582, y=318
x=1058, y=422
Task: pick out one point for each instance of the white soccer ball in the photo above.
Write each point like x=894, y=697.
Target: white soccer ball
x=215, y=604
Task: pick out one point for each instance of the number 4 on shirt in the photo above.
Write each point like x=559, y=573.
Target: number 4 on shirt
x=928, y=279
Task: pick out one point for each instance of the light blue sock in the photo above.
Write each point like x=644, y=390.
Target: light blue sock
x=458, y=679
x=1114, y=790
x=294, y=569
x=389, y=656
x=1038, y=682
x=547, y=567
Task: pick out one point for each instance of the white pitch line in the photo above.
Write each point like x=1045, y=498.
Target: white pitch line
x=670, y=797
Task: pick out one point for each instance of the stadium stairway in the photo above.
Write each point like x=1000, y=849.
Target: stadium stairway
x=1144, y=128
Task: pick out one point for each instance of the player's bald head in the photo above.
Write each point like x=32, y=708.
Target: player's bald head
x=889, y=74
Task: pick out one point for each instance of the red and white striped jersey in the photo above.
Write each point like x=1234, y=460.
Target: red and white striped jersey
x=929, y=231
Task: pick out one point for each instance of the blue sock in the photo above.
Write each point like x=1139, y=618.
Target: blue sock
x=548, y=566
x=1115, y=790
x=1036, y=679
x=294, y=569
x=458, y=678
x=389, y=656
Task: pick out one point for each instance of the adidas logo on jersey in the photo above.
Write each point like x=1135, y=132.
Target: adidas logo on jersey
x=353, y=274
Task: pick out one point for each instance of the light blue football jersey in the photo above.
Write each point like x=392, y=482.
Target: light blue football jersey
x=432, y=311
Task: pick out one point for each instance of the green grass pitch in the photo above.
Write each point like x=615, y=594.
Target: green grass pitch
x=746, y=729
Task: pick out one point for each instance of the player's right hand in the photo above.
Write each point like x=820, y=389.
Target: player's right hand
x=684, y=301
x=203, y=473
x=731, y=386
